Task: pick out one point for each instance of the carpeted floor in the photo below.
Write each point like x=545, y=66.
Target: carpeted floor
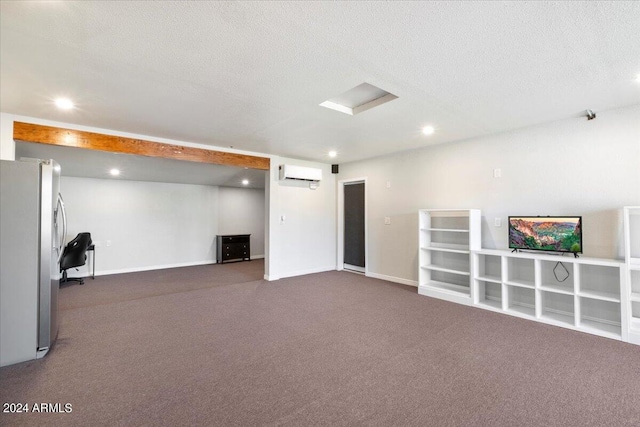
x=216, y=345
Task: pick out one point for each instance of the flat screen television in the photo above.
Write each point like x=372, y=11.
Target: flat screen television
x=546, y=233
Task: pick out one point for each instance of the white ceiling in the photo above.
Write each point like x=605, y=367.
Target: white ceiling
x=252, y=74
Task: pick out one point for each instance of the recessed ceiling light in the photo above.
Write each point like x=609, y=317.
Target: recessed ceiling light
x=333, y=153
x=245, y=182
x=64, y=103
x=114, y=172
x=428, y=130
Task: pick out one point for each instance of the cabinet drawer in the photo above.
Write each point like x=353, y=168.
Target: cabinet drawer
x=234, y=246
x=235, y=239
x=232, y=252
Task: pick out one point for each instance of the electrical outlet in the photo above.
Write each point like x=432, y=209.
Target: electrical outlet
x=108, y=242
x=497, y=173
x=497, y=222
x=387, y=220
x=388, y=184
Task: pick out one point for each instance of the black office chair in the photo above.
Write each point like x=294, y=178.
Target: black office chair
x=75, y=255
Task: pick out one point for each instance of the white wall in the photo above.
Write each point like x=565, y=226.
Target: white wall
x=7, y=145
x=241, y=211
x=305, y=241
x=570, y=167
x=149, y=225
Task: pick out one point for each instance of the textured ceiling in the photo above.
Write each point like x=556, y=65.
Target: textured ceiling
x=252, y=74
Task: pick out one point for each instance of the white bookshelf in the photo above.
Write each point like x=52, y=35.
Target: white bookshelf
x=446, y=239
x=631, y=215
x=585, y=294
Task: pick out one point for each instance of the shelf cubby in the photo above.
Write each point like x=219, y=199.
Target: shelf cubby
x=552, y=271
x=521, y=300
x=490, y=268
x=520, y=272
x=600, y=316
x=449, y=287
x=635, y=309
x=557, y=307
x=449, y=261
x=449, y=220
x=490, y=294
x=459, y=279
x=633, y=229
x=634, y=285
x=634, y=323
x=450, y=282
x=449, y=238
x=600, y=282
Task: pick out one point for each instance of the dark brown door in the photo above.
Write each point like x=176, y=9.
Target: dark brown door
x=354, y=226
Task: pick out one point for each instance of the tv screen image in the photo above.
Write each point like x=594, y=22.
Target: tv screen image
x=546, y=233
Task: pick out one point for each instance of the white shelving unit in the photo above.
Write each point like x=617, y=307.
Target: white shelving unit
x=632, y=262
x=446, y=239
x=597, y=296
x=584, y=293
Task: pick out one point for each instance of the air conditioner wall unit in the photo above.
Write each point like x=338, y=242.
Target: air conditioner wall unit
x=300, y=173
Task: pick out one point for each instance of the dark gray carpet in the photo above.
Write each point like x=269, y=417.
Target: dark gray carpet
x=127, y=287
x=325, y=349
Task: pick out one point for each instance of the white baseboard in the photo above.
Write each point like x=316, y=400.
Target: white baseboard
x=309, y=271
x=393, y=279
x=399, y=280
x=272, y=277
x=84, y=272
x=136, y=269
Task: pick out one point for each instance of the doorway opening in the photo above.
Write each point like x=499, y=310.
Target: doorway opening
x=352, y=226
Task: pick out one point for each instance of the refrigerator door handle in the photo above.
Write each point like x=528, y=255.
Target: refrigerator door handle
x=61, y=210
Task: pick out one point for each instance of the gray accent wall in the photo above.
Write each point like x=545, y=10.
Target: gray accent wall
x=242, y=211
x=569, y=167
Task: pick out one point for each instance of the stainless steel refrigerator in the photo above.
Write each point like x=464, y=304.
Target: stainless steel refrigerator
x=32, y=230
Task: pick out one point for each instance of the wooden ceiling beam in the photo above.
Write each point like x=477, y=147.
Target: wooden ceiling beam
x=29, y=132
